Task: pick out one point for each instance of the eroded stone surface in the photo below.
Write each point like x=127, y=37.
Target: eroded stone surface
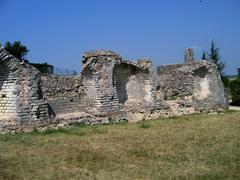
x=108, y=90
x=21, y=100
x=198, y=84
x=188, y=55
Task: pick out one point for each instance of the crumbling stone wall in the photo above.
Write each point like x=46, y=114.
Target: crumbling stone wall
x=116, y=85
x=191, y=87
x=8, y=91
x=175, y=81
x=132, y=83
x=21, y=100
x=109, y=89
x=135, y=88
x=208, y=88
x=98, y=79
x=65, y=94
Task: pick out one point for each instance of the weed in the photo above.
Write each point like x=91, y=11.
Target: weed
x=145, y=125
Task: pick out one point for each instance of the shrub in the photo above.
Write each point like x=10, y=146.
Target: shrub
x=235, y=91
x=225, y=81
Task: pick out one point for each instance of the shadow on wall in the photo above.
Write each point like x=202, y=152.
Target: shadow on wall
x=121, y=73
x=201, y=72
x=130, y=82
x=51, y=112
x=39, y=90
x=4, y=73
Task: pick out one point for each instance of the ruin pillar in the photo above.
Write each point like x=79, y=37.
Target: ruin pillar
x=188, y=55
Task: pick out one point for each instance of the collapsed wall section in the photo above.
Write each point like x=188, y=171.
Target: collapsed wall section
x=109, y=89
x=117, y=86
x=134, y=85
x=191, y=87
x=97, y=76
x=175, y=81
x=131, y=84
x=65, y=94
x=208, y=89
x=20, y=94
x=32, y=109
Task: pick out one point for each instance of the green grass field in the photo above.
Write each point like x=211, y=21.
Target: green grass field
x=203, y=146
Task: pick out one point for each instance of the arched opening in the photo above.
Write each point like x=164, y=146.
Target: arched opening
x=201, y=83
x=132, y=84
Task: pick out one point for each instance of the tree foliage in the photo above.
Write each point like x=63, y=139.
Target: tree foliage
x=44, y=68
x=235, y=91
x=225, y=81
x=17, y=49
x=204, y=56
x=214, y=56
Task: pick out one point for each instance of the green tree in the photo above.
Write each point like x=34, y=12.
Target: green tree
x=235, y=91
x=16, y=49
x=238, y=70
x=204, y=56
x=214, y=56
x=225, y=81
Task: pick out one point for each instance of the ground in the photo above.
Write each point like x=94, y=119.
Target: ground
x=203, y=146
x=236, y=108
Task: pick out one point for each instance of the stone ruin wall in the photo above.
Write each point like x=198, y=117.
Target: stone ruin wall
x=21, y=102
x=109, y=89
x=194, y=86
x=64, y=94
x=136, y=84
x=8, y=91
x=133, y=86
x=98, y=79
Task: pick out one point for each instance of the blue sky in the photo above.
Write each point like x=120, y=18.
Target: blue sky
x=59, y=31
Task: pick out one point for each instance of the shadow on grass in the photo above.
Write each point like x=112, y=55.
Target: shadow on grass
x=79, y=130
x=71, y=131
x=144, y=125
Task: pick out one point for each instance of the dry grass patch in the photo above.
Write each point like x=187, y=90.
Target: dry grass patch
x=189, y=147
